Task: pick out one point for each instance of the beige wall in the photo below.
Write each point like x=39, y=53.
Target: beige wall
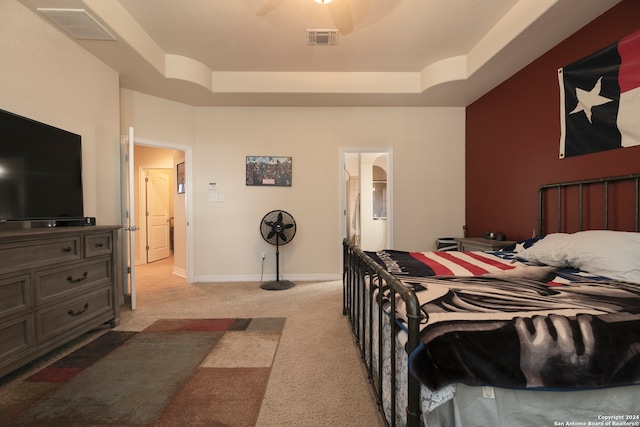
x=428, y=148
x=47, y=77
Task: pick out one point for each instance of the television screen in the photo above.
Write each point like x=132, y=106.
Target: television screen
x=40, y=171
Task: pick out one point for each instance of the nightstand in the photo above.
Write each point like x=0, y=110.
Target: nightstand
x=481, y=244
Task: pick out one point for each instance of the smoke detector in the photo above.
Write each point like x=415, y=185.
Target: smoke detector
x=322, y=37
x=77, y=23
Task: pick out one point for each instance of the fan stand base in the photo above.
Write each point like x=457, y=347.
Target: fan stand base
x=277, y=285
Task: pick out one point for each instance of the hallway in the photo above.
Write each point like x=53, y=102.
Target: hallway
x=157, y=275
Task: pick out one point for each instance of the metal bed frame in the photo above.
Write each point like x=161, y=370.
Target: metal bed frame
x=358, y=266
x=358, y=299
x=583, y=186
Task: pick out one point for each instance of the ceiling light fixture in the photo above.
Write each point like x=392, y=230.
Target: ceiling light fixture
x=323, y=1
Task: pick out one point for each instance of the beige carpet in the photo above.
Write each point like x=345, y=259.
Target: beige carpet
x=317, y=377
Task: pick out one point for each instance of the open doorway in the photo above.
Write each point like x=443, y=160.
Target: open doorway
x=178, y=160
x=366, y=198
x=160, y=206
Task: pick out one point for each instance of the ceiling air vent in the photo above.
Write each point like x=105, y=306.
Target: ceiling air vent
x=77, y=23
x=322, y=37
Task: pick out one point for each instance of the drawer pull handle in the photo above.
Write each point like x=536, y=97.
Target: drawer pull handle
x=99, y=245
x=70, y=279
x=78, y=313
x=67, y=249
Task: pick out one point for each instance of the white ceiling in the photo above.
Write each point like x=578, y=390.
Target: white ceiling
x=389, y=53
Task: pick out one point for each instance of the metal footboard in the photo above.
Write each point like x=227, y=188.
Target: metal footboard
x=358, y=304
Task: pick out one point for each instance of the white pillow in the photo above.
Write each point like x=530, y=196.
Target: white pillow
x=549, y=250
x=614, y=254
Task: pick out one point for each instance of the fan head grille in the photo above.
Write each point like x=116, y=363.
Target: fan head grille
x=278, y=227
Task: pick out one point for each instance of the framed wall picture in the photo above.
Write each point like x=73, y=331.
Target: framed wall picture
x=270, y=171
x=180, y=178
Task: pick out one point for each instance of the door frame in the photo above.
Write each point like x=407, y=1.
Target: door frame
x=343, y=193
x=188, y=161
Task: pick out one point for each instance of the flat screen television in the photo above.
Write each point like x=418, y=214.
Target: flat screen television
x=40, y=171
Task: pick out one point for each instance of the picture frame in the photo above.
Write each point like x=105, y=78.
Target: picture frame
x=180, y=178
x=269, y=171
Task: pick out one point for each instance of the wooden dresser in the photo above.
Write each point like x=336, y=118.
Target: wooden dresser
x=55, y=285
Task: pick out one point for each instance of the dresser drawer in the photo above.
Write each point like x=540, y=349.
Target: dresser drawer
x=98, y=244
x=15, y=294
x=16, y=336
x=24, y=255
x=58, y=319
x=469, y=244
x=69, y=280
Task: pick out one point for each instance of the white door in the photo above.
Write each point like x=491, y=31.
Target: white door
x=128, y=217
x=158, y=213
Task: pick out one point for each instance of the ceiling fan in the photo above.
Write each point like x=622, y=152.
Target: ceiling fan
x=340, y=11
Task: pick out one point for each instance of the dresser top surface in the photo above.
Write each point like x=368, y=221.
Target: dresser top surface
x=17, y=233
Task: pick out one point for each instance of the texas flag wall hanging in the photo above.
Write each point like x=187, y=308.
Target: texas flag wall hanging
x=600, y=100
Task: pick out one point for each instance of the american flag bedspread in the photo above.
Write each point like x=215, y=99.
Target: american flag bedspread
x=444, y=263
x=492, y=320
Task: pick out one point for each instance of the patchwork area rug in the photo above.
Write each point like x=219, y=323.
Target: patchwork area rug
x=186, y=372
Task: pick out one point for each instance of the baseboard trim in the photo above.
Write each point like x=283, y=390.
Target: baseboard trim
x=257, y=278
x=179, y=272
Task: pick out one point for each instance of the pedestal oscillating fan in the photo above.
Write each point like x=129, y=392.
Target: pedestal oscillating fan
x=277, y=228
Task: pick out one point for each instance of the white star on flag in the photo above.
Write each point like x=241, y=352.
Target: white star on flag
x=589, y=99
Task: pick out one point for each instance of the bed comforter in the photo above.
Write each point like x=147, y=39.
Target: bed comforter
x=491, y=320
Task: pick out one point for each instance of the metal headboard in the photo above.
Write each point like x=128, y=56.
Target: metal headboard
x=582, y=185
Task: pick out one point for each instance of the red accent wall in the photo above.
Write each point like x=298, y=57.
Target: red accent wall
x=513, y=135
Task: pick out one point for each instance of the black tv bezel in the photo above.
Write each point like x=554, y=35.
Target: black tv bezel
x=74, y=218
